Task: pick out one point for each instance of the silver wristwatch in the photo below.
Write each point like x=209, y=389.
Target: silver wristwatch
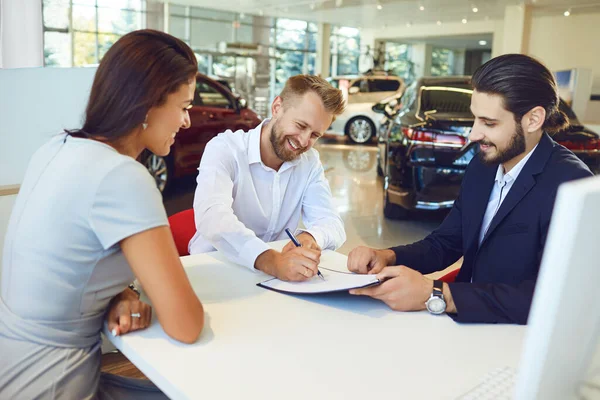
x=436, y=303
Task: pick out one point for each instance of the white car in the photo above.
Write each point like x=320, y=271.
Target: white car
x=359, y=122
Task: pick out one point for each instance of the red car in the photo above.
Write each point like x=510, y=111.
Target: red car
x=215, y=110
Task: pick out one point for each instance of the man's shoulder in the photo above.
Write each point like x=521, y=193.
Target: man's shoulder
x=564, y=165
x=230, y=141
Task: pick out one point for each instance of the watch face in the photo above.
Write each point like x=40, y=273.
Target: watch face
x=435, y=305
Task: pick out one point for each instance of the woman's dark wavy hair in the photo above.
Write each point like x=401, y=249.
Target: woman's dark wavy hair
x=524, y=83
x=137, y=73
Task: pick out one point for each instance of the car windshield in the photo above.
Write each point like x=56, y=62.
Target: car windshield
x=442, y=101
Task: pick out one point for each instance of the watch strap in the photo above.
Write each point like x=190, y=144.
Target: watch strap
x=438, y=289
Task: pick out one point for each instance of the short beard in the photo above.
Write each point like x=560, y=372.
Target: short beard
x=279, y=143
x=515, y=148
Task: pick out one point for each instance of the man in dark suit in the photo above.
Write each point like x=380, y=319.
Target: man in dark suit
x=500, y=220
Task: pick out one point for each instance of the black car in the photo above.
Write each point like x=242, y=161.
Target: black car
x=424, y=148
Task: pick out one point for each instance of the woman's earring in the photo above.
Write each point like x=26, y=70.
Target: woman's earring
x=145, y=123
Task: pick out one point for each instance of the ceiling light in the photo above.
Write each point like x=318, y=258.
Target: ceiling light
x=475, y=9
x=482, y=42
x=379, y=7
x=422, y=8
x=408, y=24
x=567, y=13
x=464, y=20
x=312, y=6
x=338, y=3
x=439, y=22
x=261, y=13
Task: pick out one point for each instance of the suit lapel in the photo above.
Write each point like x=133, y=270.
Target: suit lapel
x=519, y=189
x=524, y=183
x=476, y=194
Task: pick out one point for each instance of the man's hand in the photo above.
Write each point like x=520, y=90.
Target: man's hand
x=306, y=240
x=404, y=289
x=127, y=313
x=363, y=260
x=297, y=264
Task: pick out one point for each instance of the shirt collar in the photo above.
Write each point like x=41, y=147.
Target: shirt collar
x=515, y=171
x=254, y=143
x=254, y=148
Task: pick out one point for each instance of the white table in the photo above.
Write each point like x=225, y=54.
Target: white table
x=259, y=344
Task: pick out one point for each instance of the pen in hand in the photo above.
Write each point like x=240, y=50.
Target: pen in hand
x=297, y=244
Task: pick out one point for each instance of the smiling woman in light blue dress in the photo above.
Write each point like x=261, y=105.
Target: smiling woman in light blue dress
x=87, y=221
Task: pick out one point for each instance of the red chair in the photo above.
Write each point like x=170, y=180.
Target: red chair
x=183, y=228
x=450, y=276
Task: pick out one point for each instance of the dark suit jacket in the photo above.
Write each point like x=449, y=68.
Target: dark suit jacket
x=505, y=266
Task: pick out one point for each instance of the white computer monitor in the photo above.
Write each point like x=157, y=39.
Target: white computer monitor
x=564, y=323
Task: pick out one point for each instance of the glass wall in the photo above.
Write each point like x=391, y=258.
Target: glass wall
x=398, y=61
x=79, y=32
x=345, y=51
x=442, y=62
x=294, y=46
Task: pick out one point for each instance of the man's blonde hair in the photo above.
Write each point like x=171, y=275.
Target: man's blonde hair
x=298, y=85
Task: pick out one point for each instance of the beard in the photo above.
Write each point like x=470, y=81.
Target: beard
x=279, y=141
x=515, y=147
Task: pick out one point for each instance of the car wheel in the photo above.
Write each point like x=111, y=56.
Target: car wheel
x=360, y=130
x=161, y=169
x=391, y=210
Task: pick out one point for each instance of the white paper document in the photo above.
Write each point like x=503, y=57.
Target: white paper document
x=335, y=281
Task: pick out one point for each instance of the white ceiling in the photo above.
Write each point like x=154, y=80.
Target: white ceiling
x=468, y=42
x=364, y=13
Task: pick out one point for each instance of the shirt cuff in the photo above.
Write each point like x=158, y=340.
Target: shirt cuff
x=250, y=252
x=315, y=234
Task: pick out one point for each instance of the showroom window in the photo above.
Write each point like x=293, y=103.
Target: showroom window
x=345, y=51
x=398, y=61
x=79, y=32
x=294, y=45
x=204, y=29
x=442, y=62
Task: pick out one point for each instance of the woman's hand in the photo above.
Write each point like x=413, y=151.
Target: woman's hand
x=127, y=313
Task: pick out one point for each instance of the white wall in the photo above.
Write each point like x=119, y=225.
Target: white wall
x=6, y=205
x=516, y=28
x=573, y=42
x=35, y=104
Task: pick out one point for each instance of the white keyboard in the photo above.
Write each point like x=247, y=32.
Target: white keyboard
x=498, y=384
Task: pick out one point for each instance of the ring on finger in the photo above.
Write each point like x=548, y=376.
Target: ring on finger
x=136, y=315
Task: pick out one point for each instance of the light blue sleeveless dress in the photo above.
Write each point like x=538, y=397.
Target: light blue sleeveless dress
x=62, y=264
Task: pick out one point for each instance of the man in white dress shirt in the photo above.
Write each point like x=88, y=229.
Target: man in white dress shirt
x=253, y=185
